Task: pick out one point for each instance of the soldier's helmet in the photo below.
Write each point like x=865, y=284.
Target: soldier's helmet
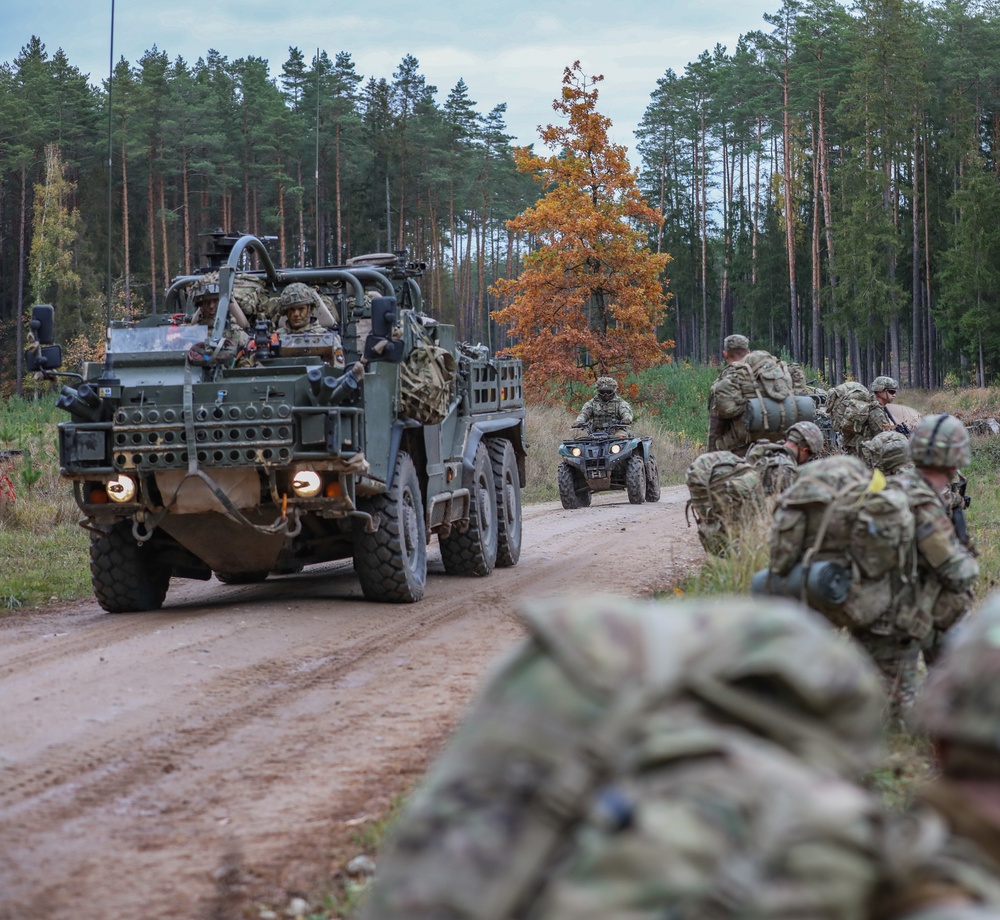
x=888, y=451
x=606, y=387
x=206, y=288
x=807, y=434
x=940, y=441
x=883, y=383
x=295, y=295
x=960, y=701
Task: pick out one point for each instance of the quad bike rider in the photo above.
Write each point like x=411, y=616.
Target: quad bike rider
x=607, y=457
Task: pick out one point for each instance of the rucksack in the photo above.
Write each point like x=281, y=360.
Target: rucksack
x=850, y=518
x=600, y=727
x=775, y=467
x=848, y=405
x=722, y=488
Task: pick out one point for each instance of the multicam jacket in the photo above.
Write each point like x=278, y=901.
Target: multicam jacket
x=946, y=569
x=724, y=434
x=598, y=412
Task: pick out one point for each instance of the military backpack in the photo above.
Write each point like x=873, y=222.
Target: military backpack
x=848, y=405
x=776, y=468
x=722, y=489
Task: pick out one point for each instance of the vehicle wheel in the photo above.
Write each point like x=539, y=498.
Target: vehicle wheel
x=635, y=479
x=125, y=574
x=569, y=494
x=652, y=479
x=392, y=562
x=475, y=551
x=507, y=485
x=241, y=578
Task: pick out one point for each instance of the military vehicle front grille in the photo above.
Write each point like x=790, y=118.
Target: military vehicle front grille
x=227, y=435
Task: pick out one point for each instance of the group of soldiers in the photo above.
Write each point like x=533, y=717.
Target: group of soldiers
x=708, y=758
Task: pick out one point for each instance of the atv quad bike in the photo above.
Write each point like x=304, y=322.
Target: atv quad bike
x=607, y=458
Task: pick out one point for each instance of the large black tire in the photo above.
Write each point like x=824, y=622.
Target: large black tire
x=392, y=562
x=507, y=484
x=475, y=551
x=652, y=479
x=635, y=479
x=569, y=495
x=125, y=574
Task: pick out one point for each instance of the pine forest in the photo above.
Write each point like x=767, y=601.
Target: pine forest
x=829, y=187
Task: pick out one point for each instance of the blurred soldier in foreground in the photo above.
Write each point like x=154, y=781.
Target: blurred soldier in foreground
x=298, y=309
x=959, y=710
x=889, y=452
x=639, y=760
x=606, y=408
x=946, y=569
x=884, y=391
x=778, y=464
x=734, y=348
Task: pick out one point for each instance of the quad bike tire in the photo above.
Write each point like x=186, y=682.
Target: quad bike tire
x=475, y=551
x=652, y=479
x=569, y=495
x=635, y=479
x=125, y=574
x=507, y=484
x=391, y=563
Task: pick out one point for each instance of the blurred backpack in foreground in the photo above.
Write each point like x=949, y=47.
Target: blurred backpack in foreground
x=688, y=759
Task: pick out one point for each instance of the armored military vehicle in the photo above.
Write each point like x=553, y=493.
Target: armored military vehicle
x=244, y=449
x=607, y=458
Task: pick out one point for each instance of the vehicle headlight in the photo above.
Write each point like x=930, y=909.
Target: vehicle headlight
x=577, y=451
x=122, y=489
x=616, y=448
x=306, y=483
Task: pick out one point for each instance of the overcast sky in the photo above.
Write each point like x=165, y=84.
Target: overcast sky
x=511, y=51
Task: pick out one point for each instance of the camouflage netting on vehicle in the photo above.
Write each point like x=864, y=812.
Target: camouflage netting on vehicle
x=848, y=405
x=426, y=380
x=635, y=759
x=723, y=488
x=839, y=511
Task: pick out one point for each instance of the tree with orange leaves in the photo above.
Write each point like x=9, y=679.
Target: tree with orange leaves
x=591, y=296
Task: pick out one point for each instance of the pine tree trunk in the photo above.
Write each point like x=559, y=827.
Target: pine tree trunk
x=152, y=233
x=125, y=229
x=786, y=184
x=22, y=230
x=915, y=375
x=187, y=213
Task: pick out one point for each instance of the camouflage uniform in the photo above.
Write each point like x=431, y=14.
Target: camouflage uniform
x=880, y=385
x=718, y=427
x=650, y=760
x=294, y=295
x=778, y=464
x=606, y=408
x=955, y=873
x=946, y=569
x=889, y=452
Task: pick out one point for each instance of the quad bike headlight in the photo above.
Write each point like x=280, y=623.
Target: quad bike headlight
x=122, y=489
x=306, y=483
x=577, y=451
x=616, y=448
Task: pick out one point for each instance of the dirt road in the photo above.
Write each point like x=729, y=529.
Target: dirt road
x=227, y=750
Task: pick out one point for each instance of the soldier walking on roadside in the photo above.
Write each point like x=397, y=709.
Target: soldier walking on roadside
x=734, y=348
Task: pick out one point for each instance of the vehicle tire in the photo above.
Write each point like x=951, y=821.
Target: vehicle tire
x=125, y=574
x=652, y=479
x=392, y=562
x=475, y=551
x=635, y=479
x=569, y=494
x=507, y=484
x=241, y=578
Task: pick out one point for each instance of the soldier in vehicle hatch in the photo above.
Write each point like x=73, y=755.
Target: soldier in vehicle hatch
x=606, y=408
x=297, y=306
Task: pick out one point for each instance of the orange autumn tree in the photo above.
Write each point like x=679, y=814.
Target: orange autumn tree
x=590, y=296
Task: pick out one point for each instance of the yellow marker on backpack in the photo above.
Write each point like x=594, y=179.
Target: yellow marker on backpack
x=878, y=481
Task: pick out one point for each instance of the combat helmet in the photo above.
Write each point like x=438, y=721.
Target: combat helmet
x=960, y=702
x=940, y=441
x=295, y=294
x=807, y=434
x=207, y=287
x=771, y=665
x=606, y=387
x=883, y=383
x=888, y=451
